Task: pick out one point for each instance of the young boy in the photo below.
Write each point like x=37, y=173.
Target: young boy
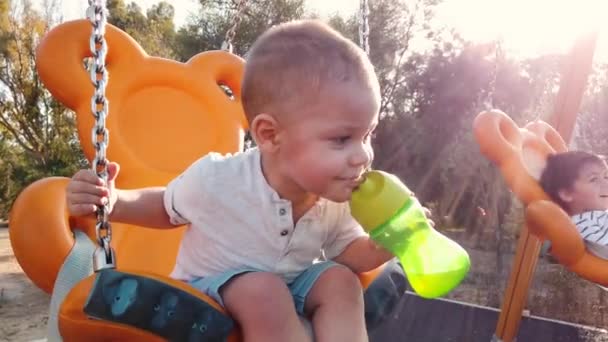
x=260, y=221
x=578, y=182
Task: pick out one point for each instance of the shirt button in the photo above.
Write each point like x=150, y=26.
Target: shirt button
x=282, y=211
x=284, y=232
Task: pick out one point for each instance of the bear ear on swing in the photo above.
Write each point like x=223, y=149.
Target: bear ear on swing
x=222, y=68
x=548, y=134
x=545, y=141
x=60, y=59
x=520, y=153
x=497, y=134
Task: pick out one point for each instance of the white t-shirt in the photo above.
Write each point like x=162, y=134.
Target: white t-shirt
x=236, y=220
x=593, y=227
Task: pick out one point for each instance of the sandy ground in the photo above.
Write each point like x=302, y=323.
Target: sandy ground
x=23, y=307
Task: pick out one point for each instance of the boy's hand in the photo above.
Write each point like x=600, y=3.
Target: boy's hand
x=86, y=191
x=429, y=216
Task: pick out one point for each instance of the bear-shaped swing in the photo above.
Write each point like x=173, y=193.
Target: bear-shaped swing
x=520, y=154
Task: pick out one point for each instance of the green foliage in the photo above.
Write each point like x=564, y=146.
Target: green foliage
x=591, y=133
x=37, y=138
x=207, y=30
x=154, y=31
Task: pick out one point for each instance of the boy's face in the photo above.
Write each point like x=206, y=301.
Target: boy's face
x=590, y=190
x=326, y=147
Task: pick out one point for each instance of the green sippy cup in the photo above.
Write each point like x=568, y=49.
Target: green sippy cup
x=395, y=220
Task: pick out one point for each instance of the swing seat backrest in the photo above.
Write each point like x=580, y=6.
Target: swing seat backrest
x=521, y=153
x=163, y=115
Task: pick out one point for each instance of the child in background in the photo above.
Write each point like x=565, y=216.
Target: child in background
x=578, y=182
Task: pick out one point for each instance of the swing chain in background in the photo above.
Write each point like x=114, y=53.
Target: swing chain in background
x=231, y=33
x=490, y=101
x=364, y=34
x=364, y=25
x=97, y=14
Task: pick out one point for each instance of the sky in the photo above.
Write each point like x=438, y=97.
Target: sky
x=526, y=27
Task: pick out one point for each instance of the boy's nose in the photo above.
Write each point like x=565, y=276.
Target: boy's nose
x=362, y=156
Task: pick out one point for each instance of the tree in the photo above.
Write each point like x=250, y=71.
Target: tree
x=36, y=131
x=154, y=31
x=591, y=131
x=207, y=30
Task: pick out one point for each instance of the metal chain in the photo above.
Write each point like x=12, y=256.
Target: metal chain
x=364, y=37
x=97, y=15
x=490, y=101
x=364, y=25
x=231, y=33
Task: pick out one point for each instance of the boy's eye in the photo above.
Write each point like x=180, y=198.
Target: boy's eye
x=341, y=140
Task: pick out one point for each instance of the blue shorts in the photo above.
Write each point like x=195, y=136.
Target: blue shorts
x=299, y=288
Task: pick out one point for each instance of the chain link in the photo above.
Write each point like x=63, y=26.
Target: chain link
x=490, y=100
x=364, y=36
x=364, y=25
x=97, y=14
x=231, y=33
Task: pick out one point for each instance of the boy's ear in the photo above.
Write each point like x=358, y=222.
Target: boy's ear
x=565, y=195
x=264, y=130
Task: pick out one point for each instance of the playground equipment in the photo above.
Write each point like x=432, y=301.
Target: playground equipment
x=520, y=154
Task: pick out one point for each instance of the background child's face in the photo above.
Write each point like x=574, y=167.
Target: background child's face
x=327, y=146
x=589, y=191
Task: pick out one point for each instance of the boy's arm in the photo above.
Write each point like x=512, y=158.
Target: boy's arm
x=142, y=207
x=181, y=201
x=363, y=255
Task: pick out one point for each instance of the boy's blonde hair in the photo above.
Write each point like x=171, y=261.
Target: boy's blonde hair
x=290, y=64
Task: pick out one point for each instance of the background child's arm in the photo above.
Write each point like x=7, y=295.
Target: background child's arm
x=142, y=207
x=363, y=255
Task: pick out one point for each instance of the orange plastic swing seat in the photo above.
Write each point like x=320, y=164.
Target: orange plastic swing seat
x=163, y=116
x=521, y=153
